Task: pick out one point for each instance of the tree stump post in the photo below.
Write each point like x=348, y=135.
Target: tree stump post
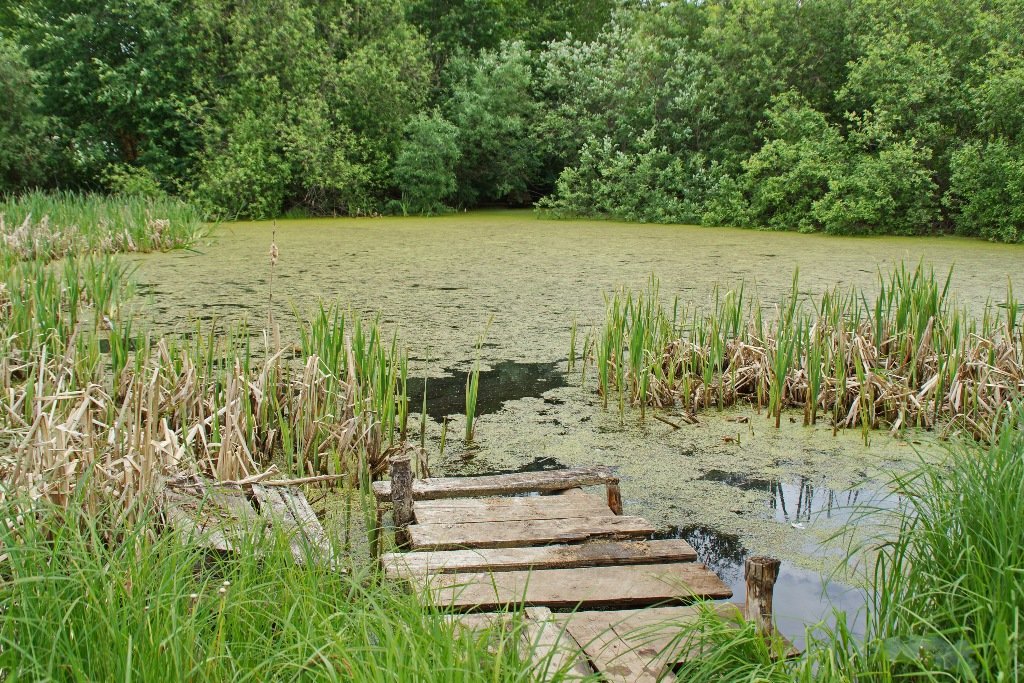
x=614, y=496
x=760, y=574
x=401, y=498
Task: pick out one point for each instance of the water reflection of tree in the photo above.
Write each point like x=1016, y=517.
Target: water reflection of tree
x=723, y=553
x=809, y=500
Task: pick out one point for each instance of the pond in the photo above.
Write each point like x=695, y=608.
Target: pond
x=512, y=284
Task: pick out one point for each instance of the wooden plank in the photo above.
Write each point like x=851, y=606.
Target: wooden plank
x=591, y=554
x=656, y=634
x=588, y=587
x=615, y=659
x=288, y=509
x=553, y=652
x=509, y=509
x=500, y=484
x=525, y=532
x=216, y=517
x=479, y=621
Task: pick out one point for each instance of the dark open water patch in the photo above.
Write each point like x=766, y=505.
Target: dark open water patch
x=505, y=381
x=536, y=465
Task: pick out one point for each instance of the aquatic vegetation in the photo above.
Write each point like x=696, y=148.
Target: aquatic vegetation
x=472, y=390
x=50, y=225
x=473, y=387
x=910, y=356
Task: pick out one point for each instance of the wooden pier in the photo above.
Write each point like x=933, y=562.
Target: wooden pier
x=480, y=546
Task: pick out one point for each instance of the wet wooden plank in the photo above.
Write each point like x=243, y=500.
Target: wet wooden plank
x=501, y=484
x=590, y=554
x=553, y=652
x=510, y=508
x=614, y=658
x=525, y=532
x=588, y=587
x=215, y=517
x=288, y=509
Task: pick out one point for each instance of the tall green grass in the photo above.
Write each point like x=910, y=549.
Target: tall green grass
x=81, y=602
x=50, y=225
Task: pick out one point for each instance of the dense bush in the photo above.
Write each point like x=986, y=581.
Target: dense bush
x=425, y=166
x=824, y=115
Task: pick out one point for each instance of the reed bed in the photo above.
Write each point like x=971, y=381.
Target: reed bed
x=87, y=400
x=51, y=225
x=910, y=356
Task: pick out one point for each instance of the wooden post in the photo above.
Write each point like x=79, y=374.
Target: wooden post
x=614, y=496
x=401, y=498
x=761, y=573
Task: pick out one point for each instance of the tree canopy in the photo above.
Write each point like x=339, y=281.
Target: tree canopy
x=843, y=116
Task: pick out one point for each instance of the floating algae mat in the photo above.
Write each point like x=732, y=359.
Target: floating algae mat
x=442, y=282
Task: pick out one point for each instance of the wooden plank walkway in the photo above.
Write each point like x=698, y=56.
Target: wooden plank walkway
x=472, y=545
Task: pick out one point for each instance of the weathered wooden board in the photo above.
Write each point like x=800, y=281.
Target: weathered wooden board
x=500, y=484
x=215, y=517
x=290, y=512
x=591, y=554
x=588, y=587
x=525, y=532
x=656, y=634
x=510, y=508
x=552, y=650
x=613, y=657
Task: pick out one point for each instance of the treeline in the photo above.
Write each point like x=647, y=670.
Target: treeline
x=845, y=116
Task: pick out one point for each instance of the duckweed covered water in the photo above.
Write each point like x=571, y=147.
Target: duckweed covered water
x=441, y=280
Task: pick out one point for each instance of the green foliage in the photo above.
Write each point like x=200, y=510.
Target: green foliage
x=493, y=107
x=122, y=179
x=425, y=166
x=785, y=178
x=46, y=226
x=859, y=116
x=116, y=79
x=650, y=186
x=82, y=601
x=987, y=189
x=23, y=145
x=889, y=191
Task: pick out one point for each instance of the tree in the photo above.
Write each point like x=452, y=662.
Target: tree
x=493, y=107
x=24, y=146
x=425, y=166
x=116, y=77
x=783, y=180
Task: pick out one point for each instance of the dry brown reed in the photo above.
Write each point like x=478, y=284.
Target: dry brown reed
x=912, y=357
x=74, y=422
